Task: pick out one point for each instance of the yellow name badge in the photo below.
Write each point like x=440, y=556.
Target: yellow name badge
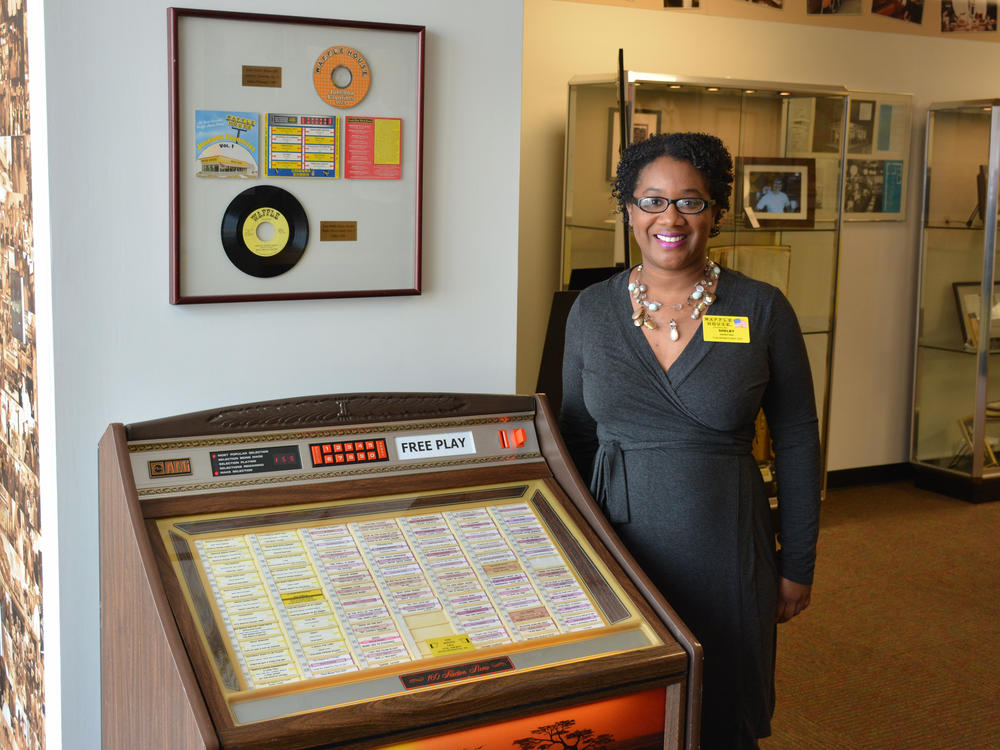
x=733, y=329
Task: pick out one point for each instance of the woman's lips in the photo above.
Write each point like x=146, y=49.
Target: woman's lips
x=669, y=239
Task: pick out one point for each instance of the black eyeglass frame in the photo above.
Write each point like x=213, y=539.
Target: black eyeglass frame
x=676, y=201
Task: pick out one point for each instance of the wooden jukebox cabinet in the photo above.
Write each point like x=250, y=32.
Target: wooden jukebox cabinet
x=375, y=571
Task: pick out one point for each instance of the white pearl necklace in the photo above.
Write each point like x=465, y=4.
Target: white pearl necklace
x=700, y=299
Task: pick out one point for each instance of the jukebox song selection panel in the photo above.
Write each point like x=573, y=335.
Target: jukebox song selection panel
x=336, y=598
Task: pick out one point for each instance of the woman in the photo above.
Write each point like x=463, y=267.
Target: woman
x=659, y=407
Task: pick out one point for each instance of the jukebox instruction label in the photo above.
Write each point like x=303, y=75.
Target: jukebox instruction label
x=332, y=599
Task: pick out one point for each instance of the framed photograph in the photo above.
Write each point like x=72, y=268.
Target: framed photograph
x=778, y=192
x=967, y=301
x=295, y=157
x=645, y=123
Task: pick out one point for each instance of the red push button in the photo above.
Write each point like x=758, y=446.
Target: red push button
x=520, y=437
x=504, y=443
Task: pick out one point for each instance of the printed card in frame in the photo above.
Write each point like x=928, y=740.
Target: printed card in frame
x=295, y=157
x=778, y=192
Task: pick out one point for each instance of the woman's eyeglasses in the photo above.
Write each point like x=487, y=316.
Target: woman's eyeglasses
x=654, y=204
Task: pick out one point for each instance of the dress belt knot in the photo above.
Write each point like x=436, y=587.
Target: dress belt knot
x=608, y=484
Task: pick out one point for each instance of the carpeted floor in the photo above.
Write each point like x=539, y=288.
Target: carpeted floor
x=900, y=648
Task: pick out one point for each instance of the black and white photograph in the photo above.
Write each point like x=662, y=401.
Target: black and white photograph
x=872, y=186
x=968, y=15
x=779, y=191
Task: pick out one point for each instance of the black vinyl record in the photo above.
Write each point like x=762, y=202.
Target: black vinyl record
x=251, y=245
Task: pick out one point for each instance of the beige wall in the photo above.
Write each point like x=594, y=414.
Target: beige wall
x=872, y=367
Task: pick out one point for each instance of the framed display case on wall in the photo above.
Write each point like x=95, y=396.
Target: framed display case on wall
x=295, y=157
x=955, y=429
x=795, y=134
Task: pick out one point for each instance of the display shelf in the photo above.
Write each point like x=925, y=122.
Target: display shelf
x=955, y=430
x=609, y=226
x=964, y=351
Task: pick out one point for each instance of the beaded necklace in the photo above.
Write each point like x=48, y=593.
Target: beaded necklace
x=699, y=300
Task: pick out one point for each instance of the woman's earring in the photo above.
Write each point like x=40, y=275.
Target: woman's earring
x=715, y=231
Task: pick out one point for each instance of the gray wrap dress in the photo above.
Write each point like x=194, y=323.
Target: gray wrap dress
x=669, y=459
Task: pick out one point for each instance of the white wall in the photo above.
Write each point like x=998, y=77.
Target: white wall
x=870, y=398
x=122, y=353
x=45, y=374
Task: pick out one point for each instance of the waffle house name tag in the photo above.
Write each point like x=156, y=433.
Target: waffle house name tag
x=734, y=329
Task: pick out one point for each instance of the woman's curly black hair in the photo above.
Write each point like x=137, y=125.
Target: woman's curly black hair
x=704, y=152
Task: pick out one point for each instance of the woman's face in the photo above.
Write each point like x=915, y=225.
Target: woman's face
x=671, y=241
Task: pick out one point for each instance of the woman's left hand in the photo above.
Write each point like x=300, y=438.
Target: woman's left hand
x=792, y=598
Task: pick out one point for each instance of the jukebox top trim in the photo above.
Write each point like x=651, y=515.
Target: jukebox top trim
x=210, y=463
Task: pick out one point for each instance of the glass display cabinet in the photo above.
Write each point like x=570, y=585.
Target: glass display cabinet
x=955, y=430
x=785, y=139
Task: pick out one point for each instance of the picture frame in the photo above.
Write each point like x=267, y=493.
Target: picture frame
x=967, y=302
x=295, y=157
x=982, y=183
x=873, y=189
x=876, y=127
x=645, y=122
x=875, y=174
x=966, y=425
x=778, y=192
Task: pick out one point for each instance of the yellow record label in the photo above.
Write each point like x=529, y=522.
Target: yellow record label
x=257, y=222
x=341, y=76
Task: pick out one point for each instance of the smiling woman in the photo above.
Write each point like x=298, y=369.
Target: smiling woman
x=671, y=239
x=659, y=403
